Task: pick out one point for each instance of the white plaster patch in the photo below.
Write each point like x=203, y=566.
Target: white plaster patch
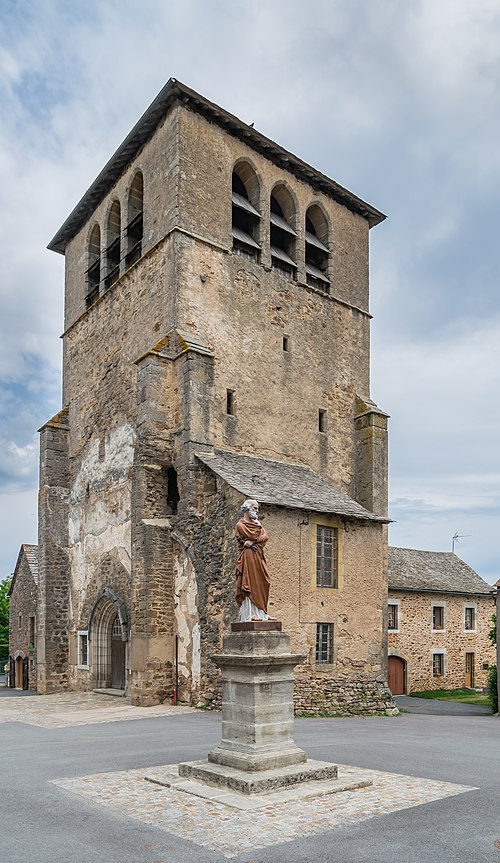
x=186, y=615
x=99, y=523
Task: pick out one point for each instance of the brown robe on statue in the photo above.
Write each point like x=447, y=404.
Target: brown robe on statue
x=252, y=577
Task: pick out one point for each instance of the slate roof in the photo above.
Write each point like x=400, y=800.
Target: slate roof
x=175, y=92
x=283, y=484
x=433, y=571
x=30, y=552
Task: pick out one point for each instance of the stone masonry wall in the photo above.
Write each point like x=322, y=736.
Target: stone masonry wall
x=53, y=560
x=22, y=608
x=416, y=641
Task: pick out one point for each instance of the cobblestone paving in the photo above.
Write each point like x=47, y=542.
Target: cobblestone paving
x=78, y=708
x=231, y=832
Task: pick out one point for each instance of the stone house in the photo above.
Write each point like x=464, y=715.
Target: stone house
x=438, y=622
x=23, y=603
x=216, y=347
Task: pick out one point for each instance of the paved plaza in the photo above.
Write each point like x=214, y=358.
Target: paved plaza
x=73, y=788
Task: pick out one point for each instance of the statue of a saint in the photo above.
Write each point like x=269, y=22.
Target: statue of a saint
x=252, y=577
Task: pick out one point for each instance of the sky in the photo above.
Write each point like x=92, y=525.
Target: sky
x=397, y=100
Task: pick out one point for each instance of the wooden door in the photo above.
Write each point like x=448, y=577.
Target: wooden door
x=396, y=675
x=469, y=670
x=117, y=656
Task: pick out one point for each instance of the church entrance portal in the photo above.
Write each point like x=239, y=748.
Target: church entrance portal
x=108, y=646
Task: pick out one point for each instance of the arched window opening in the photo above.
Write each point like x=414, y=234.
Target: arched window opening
x=316, y=250
x=245, y=216
x=173, y=496
x=135, y=221
x=113, y=245
x=94, y=269
x=283, y=235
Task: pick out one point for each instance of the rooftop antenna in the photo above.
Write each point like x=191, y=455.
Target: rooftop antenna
x=455, y=539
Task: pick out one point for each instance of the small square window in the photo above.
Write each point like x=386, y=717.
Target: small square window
x=437, y=617
x=324, y=643
x=393, y=617
x=470, y=618
x=437, y=664
x=230, y=402
x=322, y=421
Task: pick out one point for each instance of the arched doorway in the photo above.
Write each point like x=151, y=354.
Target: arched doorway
x=19, y=672
x=108, y=638
x=397, y=675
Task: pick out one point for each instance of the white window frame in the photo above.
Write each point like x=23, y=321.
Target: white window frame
x=397, y=603
x=441, y=652
x=474, y=608
x=443, y=606
x=81, y=632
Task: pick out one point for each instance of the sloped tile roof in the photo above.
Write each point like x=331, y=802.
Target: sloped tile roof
x=283, y=484
x=437, y=571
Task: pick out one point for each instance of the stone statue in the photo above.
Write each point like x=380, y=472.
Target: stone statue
x=252, y=577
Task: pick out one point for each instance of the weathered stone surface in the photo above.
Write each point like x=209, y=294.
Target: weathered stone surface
x=146, y=371
x=262, y=781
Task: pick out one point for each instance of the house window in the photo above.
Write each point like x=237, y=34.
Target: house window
x=31, y=639
x=470, y=618
x=282, y=234
x=437, y=664
x=393, y=617
x=83, y=649
x=94, y=266
x=245, y=215
x=135, y=225
x=326, y=556
x=324, y=643
x=438, y=617
x=316, y=250
x=113, y=248
x=230, y=402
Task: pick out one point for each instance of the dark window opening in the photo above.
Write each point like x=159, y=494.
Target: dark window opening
x=316, y=250
x=83, y=648
x=31, y=639
x=326, y=556
x=437, y=664
x=282, y=241
x=173, y=496
x=230, y=402
x=470, y=618
x=324, y=643
x=322, y=421
x=286, y=346
x=438, y=617
x=135, y=227
x=113, y=250
x=393, y=617
x=245, y=221
x=94, y=269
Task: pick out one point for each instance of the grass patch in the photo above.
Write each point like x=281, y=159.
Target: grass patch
x=464, y=696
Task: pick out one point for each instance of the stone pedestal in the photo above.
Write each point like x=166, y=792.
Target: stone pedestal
x=257, y=752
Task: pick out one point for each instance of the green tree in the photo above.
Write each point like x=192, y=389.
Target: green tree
x=4, y=621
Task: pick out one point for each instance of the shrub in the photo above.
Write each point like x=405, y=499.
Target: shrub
x=493, y=688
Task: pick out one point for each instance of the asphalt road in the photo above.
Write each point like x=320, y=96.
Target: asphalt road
x=40, y=824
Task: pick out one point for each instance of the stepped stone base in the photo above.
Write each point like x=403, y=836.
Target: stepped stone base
x=259, y=782
x=169, y=777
